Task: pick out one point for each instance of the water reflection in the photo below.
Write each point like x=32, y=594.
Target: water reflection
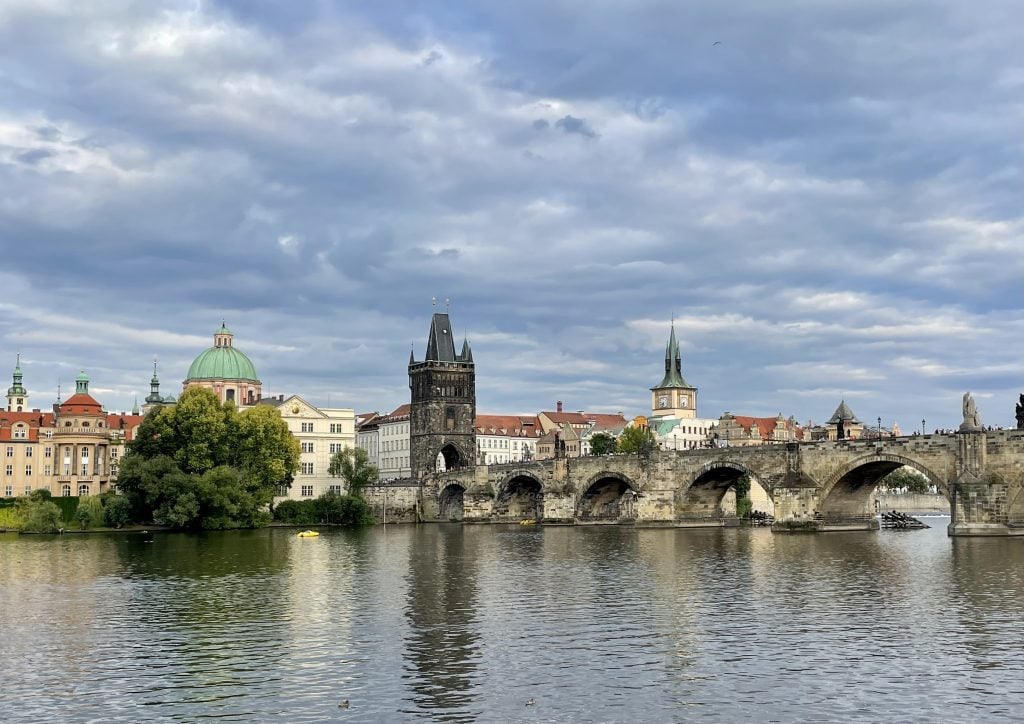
x=442, y=645
x=448, y=622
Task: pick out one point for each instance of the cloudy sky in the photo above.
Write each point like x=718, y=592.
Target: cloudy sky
x=827, y=196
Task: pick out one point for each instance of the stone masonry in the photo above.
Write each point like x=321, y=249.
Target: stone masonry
x=819, y=486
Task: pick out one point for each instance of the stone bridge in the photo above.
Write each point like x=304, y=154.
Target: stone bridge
x=820, y=486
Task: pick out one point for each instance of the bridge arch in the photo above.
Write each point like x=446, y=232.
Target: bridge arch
x=607, y=496
x=450, y=501
x=701, y=496
x=451, y=457
x=847, y=492
x=520, y=497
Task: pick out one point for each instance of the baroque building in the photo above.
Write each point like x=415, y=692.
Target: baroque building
x=442, y=408
x=226, y=370
x=73, y=450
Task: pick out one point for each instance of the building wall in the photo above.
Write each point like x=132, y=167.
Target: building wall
x=394, y=452
x=321, y=433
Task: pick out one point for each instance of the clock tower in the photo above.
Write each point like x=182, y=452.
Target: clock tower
x=673, y=397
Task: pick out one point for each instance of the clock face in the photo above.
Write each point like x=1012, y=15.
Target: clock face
x=295, y=409
x=683, y=402
x=663, y=401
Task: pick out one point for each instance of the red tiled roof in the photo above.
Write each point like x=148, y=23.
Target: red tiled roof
x=765, y=426
x=602, y=421
x=568, y=418
x=508, y=425
x=80, y=402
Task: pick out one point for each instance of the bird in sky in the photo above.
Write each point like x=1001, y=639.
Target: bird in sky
x=717, y=42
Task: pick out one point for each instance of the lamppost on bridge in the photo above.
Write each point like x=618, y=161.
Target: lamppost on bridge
x=879, y=428
x=922, y=426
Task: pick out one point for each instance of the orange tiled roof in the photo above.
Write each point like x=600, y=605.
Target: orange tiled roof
x=509, y=425
x=82, y=403
x=765, y=426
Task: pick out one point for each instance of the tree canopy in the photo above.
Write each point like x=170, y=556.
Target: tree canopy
x=602, y=443
x=636, y=439
x=353, y=466
x=203, y=464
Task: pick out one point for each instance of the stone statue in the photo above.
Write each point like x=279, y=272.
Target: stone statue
x=1020, y=413
x=971, y=423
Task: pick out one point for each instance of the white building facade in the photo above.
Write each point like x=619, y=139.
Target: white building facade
x=321, y=433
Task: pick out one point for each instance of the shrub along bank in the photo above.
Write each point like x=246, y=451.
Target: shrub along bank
x=329, y=509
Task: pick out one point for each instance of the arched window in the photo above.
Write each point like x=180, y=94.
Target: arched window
x=229, y=395
x=65, y=490
x=83, y=489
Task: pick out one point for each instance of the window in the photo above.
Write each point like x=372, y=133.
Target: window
x=307, y=491
x=65, y=490
x=307, y=447
x=85, y=470
x=19, y=433
x=28, y=471
x=28, y=451
x=336, y=447
x=282, y=491
x=48, y=452
x=307, y=427
x=336, y=489
x=28, y=490
x=10, y=470
x=83, y=489
x=85, y=424
x=47, y=471
x=48, y=434
x=85, y=453
x=113, y=453
x=336, y=428
x=307, y=468
x=9, y=491
x=10, y=451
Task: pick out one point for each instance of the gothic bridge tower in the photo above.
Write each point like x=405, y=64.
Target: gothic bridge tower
x=443, y=404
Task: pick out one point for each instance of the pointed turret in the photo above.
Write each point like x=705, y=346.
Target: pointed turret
x=673, y=363
x=843, y=413
x=135, y=406
x=673, y=397
x=154, y=398
x=467, y=354
x=17, y=397
x=412, y=355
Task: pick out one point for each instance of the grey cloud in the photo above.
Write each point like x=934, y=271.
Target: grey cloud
x=579, y=126
x=34, y=156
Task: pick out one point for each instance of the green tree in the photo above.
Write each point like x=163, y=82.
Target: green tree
x=743, y=502
x=203, y=464
x=905, y=478
x=90, y=512
x=636, y=439
x=117, y=511
x=342, y=510
x=602, y=443
x=265, y=451
x=353, y=466
x=42, y=516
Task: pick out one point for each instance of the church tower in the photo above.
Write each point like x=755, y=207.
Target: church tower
x=443, y=403
x=673, y=397
x=153, y=399
x=17, y=397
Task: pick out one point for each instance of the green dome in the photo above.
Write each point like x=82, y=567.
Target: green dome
x=222, y=363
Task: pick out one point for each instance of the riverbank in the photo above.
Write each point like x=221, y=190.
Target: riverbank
x=911, y=503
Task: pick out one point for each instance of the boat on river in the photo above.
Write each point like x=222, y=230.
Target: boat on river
x=309, y=534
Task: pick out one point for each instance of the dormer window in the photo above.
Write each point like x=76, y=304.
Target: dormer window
x=85, y=424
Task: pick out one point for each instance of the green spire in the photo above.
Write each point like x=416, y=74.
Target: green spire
x=673, y=363
x=135, y=406
x=82, y=383
x=17, y=388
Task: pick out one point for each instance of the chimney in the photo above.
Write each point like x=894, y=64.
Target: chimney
x=558, y=406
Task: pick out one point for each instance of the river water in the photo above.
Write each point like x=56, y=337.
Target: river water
x=473, y=623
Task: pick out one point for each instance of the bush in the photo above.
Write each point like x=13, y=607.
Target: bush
x=330, y=508
x=90, y=512
x=117, y=511
x=295, y=512
x=42, y=516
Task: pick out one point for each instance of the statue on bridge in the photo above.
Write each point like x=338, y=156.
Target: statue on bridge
x=972, y=422
x=1020, y=413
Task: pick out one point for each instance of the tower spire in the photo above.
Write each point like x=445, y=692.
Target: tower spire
x=17, y=397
